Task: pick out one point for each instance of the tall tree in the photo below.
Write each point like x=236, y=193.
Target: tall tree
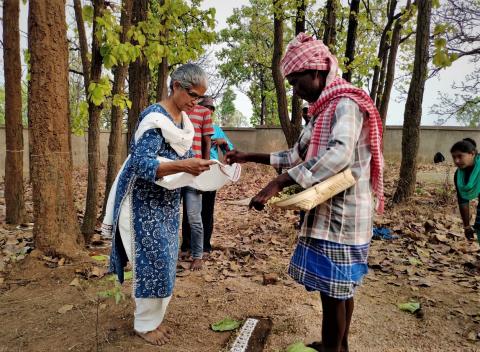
x=82, y=36
x=291, y=128
x=351, y=38
x=460, y=20
x=383, y=49
x=162, y=89
x=392, y=61
x=94, y=114
x=247, y=58
x=139, y=74
x=116, y=122
x=56, y=228
x=330, y=24
x=413, y=107
x=226, y=108
x=299, y=28
x=14, y=199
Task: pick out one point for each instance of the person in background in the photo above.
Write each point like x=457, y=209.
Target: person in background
x=306, y=117
x=219, y=146
x=467, y=183
x=192, y=224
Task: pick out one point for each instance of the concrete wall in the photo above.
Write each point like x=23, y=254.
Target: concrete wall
x=261, y=139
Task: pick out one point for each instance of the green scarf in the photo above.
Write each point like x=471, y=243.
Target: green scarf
x=471, y=189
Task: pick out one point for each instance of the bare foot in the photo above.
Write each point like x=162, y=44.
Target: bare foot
x=159, y=336
x=317, y=345
x=197, y=264
x=183, y=255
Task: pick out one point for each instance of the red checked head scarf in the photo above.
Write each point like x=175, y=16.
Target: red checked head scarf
x=306, y=53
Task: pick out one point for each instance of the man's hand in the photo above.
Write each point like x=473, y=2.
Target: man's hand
x=196, y=166
x=258, y=202
x=220, y=141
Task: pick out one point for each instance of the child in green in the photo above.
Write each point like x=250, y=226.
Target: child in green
x=467, y=183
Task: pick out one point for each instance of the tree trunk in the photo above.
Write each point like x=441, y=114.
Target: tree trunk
x=82, y=36
x=263, y=107
x=330, y=23
x=14, y=199
x=116, y=129
x=94, y=112
x=296, y=101
x=382, y=48
x=413, y=107
x=139, y=75
x=351, y=38
x=162, y=89
x=390, y=77
x=282, y=106
x=381, y=80
x=56, y=225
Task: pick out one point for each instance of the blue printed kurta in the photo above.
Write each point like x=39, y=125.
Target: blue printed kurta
x=154, y=216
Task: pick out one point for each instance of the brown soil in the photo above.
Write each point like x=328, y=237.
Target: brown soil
x=438, y=269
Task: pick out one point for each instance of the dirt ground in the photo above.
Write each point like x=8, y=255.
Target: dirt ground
x=51, y=304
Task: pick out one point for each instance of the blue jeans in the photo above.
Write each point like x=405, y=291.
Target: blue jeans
x=193, y=206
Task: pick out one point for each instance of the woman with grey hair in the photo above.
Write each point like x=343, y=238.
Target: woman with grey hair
x=143, y=217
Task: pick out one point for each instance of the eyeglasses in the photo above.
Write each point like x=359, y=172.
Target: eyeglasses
x=194, y=95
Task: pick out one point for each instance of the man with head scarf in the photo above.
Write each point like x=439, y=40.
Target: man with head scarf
x=345, y=132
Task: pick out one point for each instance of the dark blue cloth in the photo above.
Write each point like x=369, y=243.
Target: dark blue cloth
x=154, y=215
x=383, y=233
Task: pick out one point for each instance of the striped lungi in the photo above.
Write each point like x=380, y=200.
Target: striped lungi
x=334, y=269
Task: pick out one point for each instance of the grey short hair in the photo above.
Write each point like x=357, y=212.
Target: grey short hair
x=189, y=75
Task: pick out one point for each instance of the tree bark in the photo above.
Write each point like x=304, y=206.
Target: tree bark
x=330, y=23
x=139, y=74
x=162, y=89
x=115, y=141
x=390, y=76
x=282, y=106
x=413, y=107
x=94, y=112
x=296, y=101
x=381, y=80
x=14, y=192
x=56, y=225
x=382, y=48
x=351, y=38
x=82, y=36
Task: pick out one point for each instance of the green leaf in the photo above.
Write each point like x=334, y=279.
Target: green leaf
x=299, y=347
x=411, y=307
x=414, y=261
x=226, y=324
x=100, y=258
x=87, y=12
x=128, y=275
x=105, y=294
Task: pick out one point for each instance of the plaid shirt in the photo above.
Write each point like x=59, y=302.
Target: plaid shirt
x=347, y=217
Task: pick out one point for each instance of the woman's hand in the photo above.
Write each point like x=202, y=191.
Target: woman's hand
x=196, y=166
x=234, y=156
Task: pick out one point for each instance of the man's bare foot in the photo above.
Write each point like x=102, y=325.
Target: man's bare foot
x=197, y=264
x=183, y=255
x=317, y=345
x=159, y=336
